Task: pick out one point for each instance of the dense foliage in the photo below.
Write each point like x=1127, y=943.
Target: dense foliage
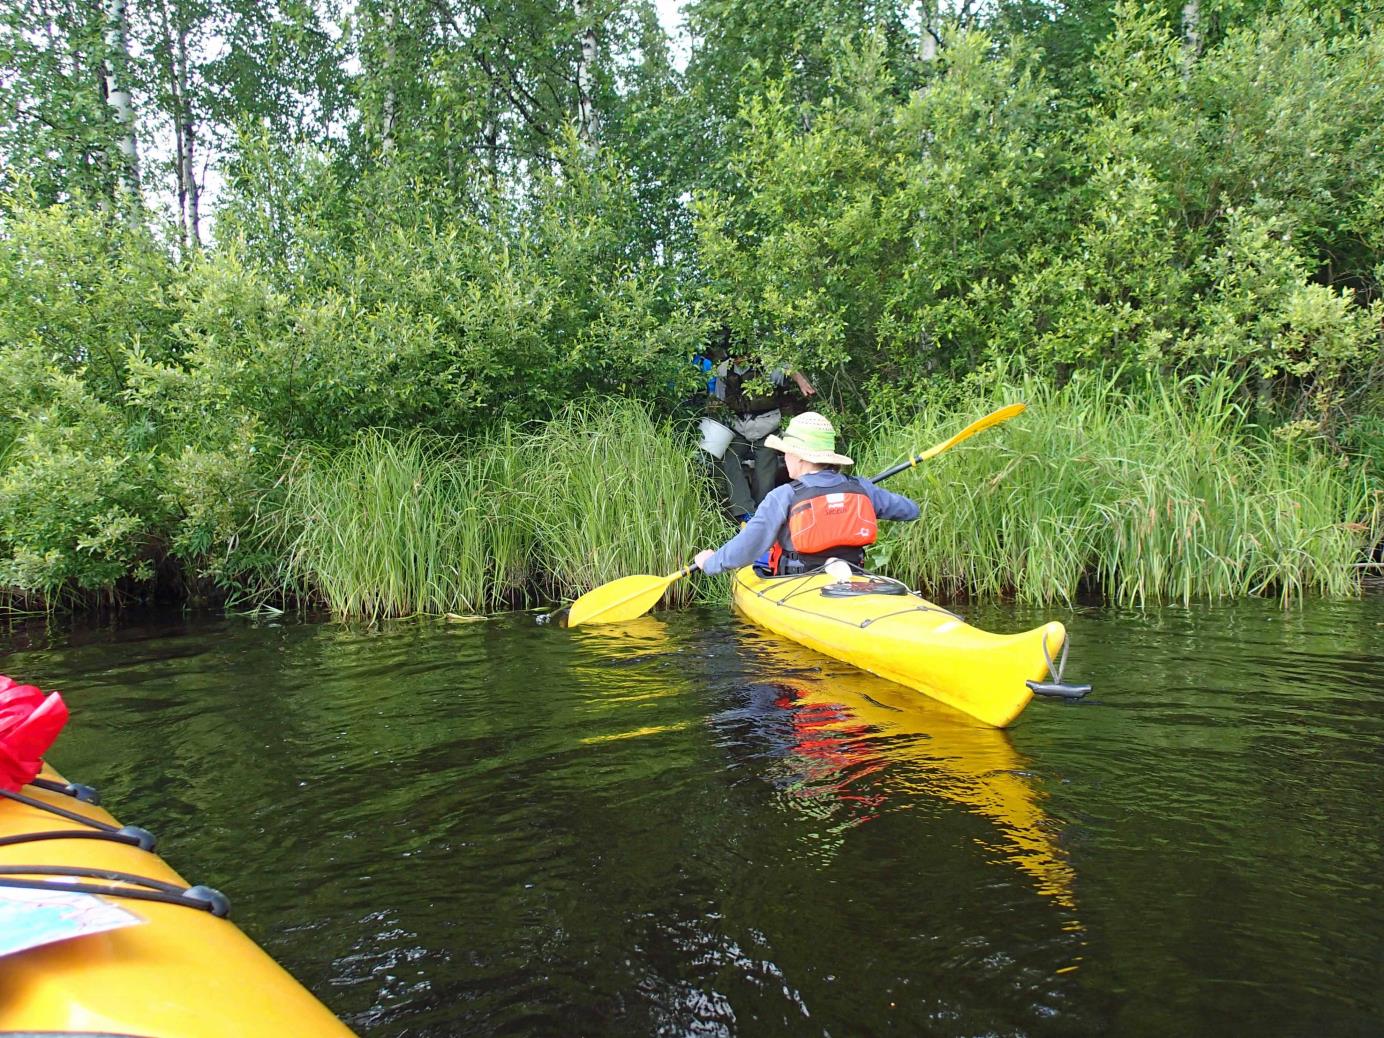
x=453, y=220
x=1175, y=215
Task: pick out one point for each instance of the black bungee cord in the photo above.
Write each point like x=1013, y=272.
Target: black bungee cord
x=139, y=888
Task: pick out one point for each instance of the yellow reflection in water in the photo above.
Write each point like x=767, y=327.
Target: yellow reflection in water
x=866, y=723
x=851, y=730
x=635, y=733
x=630, y=682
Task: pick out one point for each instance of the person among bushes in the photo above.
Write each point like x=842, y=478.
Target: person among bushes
x=753, y=407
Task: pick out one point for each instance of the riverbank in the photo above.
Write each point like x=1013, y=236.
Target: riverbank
x=1169, y=494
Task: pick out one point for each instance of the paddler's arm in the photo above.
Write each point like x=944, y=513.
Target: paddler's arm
x=754, y=539
x=889, y=505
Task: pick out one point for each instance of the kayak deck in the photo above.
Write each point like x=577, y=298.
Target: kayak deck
x=182, y=971
x=901, y=636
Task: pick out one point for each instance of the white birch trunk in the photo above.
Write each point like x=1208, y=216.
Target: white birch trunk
x=178, y=166
x=118, y=96
x=185, y=158
x=586, y=111
x=1191, y=32
x=929, y=30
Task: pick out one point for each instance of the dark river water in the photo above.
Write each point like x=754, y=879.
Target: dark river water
x=685, y=826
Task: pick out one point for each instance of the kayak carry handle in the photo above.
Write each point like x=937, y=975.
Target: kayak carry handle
x=1056, y=688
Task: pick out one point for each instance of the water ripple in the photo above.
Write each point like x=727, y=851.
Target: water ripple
x=685, y=825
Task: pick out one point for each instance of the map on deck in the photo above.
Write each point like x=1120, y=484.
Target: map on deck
x=32, y=918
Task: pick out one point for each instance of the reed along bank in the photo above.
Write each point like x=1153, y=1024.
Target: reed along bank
x=1163, y=494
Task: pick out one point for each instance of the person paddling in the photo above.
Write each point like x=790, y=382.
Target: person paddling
x=820, y=514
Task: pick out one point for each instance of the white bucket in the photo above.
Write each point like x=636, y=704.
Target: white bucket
x=715, y=437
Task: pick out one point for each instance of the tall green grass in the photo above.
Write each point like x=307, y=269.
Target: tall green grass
x=613, y=492
x=1164, y=495
x=396, y=525
x=1167, y=494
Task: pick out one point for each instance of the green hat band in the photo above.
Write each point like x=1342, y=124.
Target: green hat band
x=812, y=440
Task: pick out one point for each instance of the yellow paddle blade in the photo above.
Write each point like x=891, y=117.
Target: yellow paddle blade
x=980, y=425
x=622, y=599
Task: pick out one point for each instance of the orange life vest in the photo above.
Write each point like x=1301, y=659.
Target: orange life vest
x=825, y=522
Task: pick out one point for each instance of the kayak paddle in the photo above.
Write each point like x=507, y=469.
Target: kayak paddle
x=631, y=597
x=979, y=425
x=623, y=599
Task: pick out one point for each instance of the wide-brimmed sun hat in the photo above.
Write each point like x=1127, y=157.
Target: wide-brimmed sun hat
x=812, y=438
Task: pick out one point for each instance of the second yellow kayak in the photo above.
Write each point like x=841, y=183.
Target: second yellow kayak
x=878, y=625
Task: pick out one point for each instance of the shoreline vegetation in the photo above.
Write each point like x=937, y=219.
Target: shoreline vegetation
x=1139, y=497
x=392, y=526
x=429, y=347
x=1172, y=498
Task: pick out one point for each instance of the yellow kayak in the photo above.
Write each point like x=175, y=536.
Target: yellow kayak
x=183, y=970
x=880, y=626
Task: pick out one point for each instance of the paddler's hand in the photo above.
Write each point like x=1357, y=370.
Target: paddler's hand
x=702, y=556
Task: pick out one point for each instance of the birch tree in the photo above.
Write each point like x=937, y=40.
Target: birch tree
x=1191, y=30
x=217, y=65
x=586, y=112
x=117, y=88
x=171, y=60
x=483, y=92
x=929, y=29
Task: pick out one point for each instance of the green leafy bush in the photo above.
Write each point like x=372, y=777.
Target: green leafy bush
x=1185, y=214
x=79, y=502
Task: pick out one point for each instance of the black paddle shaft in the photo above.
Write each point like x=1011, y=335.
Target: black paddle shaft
x=895, y=469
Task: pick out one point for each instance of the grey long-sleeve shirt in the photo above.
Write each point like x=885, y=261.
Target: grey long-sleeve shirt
x=764, y=526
